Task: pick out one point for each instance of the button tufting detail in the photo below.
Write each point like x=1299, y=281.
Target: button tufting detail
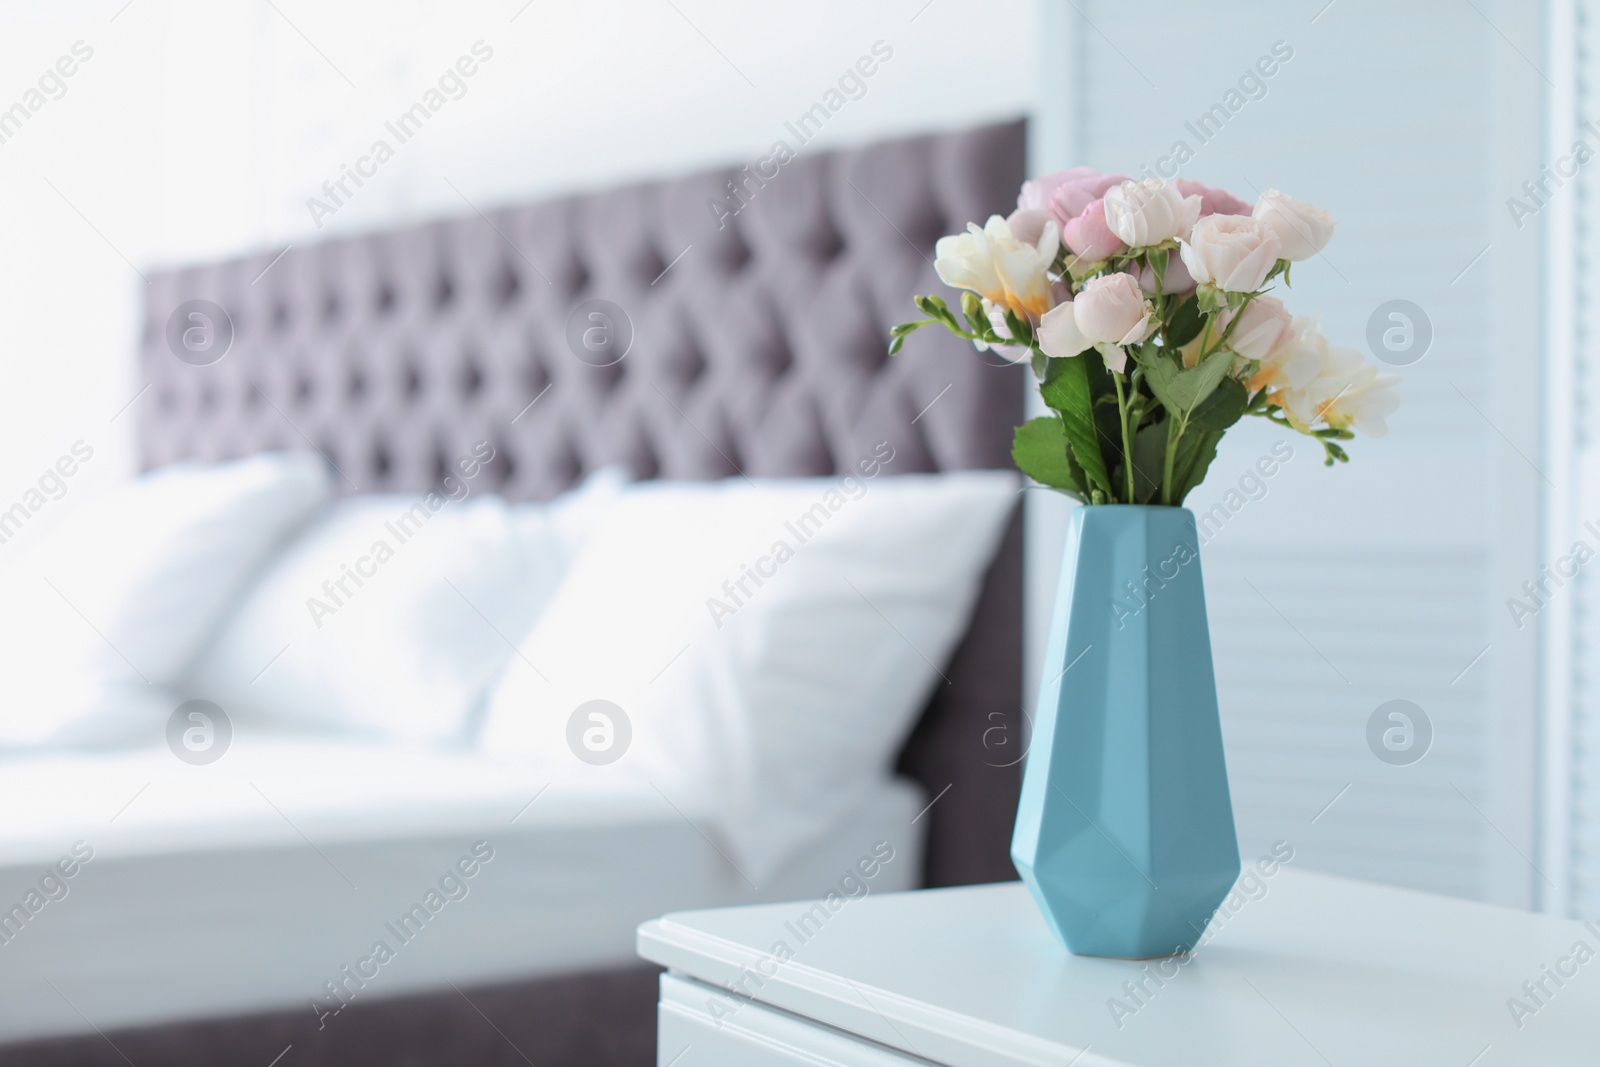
x=761, y=348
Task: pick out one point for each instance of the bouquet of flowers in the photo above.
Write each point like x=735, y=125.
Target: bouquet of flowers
x=1143, y=309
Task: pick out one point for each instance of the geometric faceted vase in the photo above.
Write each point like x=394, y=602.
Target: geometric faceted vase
x=1125, y=831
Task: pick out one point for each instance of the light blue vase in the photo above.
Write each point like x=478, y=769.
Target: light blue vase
x=1125, y=828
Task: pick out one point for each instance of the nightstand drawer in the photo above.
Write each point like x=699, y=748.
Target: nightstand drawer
x=703, y=1026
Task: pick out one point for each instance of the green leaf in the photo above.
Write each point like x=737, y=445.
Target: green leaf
x=1222, y=408
x=1107, y=419
x=1149, y=453
x=1159, y=370
x=1185, y=324
x=1079, y=477
x=1040, y=451
x=1058, y=390
x=1181, y=391
x=1196, y=450
x=1191, y=387
x=1066, y=390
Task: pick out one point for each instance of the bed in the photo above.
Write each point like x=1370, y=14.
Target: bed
x=200, y=874
x=209, y=912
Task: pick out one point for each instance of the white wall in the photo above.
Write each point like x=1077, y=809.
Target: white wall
x=198, y=129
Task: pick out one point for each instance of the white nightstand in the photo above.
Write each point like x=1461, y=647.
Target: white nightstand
x=1314, y=970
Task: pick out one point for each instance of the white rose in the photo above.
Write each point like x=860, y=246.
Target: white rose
x=1149, y=212
x=1264, y=329
x=1302, y=229
x=997, y=266
x=1232, y=252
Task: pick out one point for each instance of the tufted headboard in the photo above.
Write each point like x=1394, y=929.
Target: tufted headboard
x=744, y=318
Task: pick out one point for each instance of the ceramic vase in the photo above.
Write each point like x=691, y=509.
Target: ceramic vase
x=1125, y=831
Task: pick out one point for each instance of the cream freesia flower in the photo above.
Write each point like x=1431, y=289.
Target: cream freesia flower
x=1366, y=407
x=997, y=319
x=1318, y=382
x=1005, y=271
x=1350, y=394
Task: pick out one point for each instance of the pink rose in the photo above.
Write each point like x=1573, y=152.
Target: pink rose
x=1111, y=309
x=1064, y=194
x=1058, y=334
x=1175, y=279
x=1212, y=201
x=1088, y=235
x=1027, y=225
x=1036, y=192
x=1110, y=312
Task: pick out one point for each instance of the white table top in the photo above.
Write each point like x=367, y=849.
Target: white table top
x=1318, y=971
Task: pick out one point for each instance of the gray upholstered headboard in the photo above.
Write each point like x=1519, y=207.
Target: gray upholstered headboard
x=757, y=346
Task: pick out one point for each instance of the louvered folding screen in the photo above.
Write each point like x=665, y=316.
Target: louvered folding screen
x=1332, y=592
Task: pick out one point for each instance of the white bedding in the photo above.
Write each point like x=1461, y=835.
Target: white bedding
x=341, y=848
x=248, y=884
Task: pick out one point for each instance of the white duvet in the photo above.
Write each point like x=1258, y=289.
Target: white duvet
x=249, y=884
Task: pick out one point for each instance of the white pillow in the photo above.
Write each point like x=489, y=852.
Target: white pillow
x=393, y=613
x=769, y=643
x=116, y=601
x=556, y=530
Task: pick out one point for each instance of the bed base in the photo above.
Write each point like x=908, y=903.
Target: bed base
x=599, y=1019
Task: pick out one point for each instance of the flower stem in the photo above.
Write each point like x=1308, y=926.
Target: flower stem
x=1172, y=451
x=1127, y=447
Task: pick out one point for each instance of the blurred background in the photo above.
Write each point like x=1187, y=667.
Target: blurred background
x=195, y=130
